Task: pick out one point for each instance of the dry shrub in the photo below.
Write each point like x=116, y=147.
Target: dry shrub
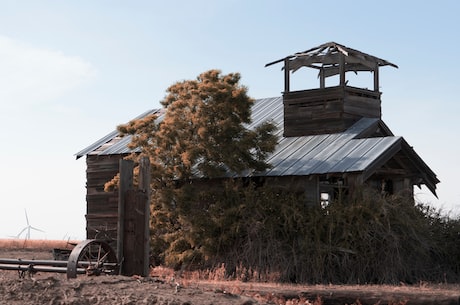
x=162, y=272
x=260, y=234
x=221, y=273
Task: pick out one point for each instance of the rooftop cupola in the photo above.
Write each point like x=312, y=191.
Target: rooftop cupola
x=335, y=108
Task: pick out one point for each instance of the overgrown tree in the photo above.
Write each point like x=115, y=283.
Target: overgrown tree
x=203, y=134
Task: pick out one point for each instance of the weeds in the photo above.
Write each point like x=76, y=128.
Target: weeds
x=259, y=234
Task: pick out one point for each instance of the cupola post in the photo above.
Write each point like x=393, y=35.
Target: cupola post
x=335, y=108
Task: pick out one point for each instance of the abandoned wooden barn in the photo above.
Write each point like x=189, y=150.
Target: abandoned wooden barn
x=331, y=140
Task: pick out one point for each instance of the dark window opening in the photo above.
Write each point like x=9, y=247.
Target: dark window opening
x=332, y=189
x=387, y=187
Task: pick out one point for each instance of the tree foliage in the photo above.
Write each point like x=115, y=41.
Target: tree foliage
x=203, y=134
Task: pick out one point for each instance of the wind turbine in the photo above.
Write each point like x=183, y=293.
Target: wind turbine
x=28, y=228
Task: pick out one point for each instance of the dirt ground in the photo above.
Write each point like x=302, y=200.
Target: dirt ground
x=53, y=288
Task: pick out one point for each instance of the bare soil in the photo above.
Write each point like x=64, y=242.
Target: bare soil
x=52, y=288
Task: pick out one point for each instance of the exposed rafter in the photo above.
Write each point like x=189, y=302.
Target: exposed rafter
x=333, y=59
x=328, y=55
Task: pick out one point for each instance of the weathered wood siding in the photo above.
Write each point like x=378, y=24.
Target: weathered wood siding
x=396, y=185
x=101, y=207
x=327, y=110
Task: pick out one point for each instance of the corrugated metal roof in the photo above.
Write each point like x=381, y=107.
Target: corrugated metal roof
x=345, y=152
x=297, y=156
x=331, y=153
x=113, y=144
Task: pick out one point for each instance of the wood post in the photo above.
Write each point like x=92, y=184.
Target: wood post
x=286, y=75
x=342, y=69
x=133, y=243
x=144, y=186
x=322, y=79
x=126, y=183
x=376, y=78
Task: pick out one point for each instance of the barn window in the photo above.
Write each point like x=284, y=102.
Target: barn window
x=324, y=199
x=387, y=187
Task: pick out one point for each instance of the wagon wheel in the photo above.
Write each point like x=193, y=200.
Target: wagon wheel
x=93, y=257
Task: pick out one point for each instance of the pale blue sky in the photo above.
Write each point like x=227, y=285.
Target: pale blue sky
x=71, y=71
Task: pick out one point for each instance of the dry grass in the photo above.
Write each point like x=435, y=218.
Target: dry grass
x=295, y=294
x=218, y=282
x=38, y=244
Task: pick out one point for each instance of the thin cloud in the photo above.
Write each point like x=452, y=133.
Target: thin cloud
x=30, y=75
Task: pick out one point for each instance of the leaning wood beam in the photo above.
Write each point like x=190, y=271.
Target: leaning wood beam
x=277, y=61
x=325, y=54
x=332, y=59
x=300, y=62
x=360, y=60
x=334, y=70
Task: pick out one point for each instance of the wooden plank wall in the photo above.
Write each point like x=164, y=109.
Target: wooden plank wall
x=101, y=207
x=104, y=210
x=134, y=234
x=327, y=110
